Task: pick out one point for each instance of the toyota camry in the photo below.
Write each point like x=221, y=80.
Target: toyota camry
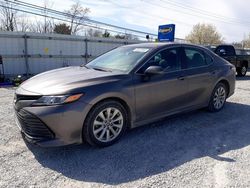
x=124, y=88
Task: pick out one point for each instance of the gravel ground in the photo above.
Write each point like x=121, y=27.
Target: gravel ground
x=199, y=149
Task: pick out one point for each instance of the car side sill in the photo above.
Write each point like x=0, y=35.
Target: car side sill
x=169, y=114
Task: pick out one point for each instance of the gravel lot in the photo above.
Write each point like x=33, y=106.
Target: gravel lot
x=199, y=149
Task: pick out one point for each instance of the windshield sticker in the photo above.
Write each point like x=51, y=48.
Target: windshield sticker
x=142, y=50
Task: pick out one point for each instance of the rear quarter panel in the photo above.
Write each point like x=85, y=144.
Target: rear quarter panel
x=226, y=72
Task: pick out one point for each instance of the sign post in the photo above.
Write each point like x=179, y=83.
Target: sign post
x=166, y=33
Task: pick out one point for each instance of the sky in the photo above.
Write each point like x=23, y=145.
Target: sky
x=230, y=17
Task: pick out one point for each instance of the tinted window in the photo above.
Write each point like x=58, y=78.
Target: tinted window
x=194, y=58
x=209, y=59
x=168, y=59
x=225, y=50
x=241, y=52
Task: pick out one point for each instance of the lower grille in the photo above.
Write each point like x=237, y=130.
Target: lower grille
x=33, y=126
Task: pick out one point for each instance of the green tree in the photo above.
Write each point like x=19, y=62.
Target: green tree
x=106, y=34
x=205, y=34
x=62, y=29
x=120, y=36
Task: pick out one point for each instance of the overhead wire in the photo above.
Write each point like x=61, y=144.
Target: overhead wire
x=90, y=21
x=195, y=14
x=194, y=9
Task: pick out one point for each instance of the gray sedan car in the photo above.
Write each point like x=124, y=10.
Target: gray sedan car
x=124, y=88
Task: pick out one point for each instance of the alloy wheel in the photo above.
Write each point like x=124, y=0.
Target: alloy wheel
x=219, y=98
x=108, y=124
x=243, y=70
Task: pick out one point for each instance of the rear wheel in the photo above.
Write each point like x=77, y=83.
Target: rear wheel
x=218, y=98
x=105, y=124
x=242, y=71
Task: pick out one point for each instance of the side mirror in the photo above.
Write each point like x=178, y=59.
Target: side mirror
x=154, y=70
x=222, y=52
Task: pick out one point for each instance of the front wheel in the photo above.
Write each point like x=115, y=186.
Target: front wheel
x=105, y=123
x=218, y=98
x=242, y=71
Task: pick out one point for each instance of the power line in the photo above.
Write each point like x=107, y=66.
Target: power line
x=146, y=14
x=64, y=20
x=195, y=15
x=187, y=6
x=85, y=19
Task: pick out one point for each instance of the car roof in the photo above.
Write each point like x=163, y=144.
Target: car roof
x=151, y=44
x=162, y=44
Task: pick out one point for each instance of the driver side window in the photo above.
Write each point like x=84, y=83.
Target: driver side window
x=167, y=59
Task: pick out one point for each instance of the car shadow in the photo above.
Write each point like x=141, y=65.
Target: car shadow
x=247, y=77
x=154, y=149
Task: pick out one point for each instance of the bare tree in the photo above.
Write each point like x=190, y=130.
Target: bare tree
x=204, y=34
x=118, y=36
x=48, y=25
x=45, y=25
x=237, y=44
x=77, y=15
x=246, y=42
x=131, y=37
x=23, y=23
x=94, y=33
x=9, y=16
x=37, y=26
x=126, y=36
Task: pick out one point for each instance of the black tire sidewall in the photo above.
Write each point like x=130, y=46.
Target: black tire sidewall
x=239, y=72
x=88, y=125
x=211, y=107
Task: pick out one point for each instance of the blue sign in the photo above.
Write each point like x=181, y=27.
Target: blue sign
x=166, y=33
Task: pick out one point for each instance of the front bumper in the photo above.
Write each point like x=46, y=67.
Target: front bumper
x=50, y=126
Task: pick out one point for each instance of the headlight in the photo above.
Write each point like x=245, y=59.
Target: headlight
x=56, y=100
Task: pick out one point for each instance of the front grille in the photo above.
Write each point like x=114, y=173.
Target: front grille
x=33, y=126
x=26, y=97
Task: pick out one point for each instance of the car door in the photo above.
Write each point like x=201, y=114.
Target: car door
x=200, y=75
x=157, y=95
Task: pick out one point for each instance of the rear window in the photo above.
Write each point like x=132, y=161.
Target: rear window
x=209, y=59
x=195, y=58
x=228, y=50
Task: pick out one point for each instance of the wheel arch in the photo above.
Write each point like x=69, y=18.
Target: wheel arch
x=244, y=62
x=118, y=99
x=226, y=83
x=121, y=101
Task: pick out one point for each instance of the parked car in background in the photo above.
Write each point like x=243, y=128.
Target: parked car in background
x=127, y=87
x=241, y=60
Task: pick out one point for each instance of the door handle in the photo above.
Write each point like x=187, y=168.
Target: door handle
x=181, y=78
x=213, y=72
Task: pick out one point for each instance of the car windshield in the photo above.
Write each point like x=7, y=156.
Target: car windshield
x=122, y=59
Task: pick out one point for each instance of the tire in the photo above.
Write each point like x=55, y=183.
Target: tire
x=105, y=123
x=242, y=71
x=218, y=98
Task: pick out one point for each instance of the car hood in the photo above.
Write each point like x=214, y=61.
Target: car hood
x=63, y=80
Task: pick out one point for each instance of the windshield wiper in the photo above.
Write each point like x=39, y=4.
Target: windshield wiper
x=84, y=66
x=101, y=69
